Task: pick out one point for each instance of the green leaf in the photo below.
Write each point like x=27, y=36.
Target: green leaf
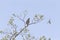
x=1, y=31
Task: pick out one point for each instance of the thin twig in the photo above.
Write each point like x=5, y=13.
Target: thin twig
x=20, y=19
x=23, y=37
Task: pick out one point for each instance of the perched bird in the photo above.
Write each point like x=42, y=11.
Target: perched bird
x=27, y=21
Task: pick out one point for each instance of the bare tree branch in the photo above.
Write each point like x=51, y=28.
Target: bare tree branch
x=19, y=18
x=22, y=30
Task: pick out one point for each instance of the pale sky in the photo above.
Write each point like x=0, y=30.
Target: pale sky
x=49, y=8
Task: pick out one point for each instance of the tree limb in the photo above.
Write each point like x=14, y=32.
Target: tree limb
x=22, y=30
